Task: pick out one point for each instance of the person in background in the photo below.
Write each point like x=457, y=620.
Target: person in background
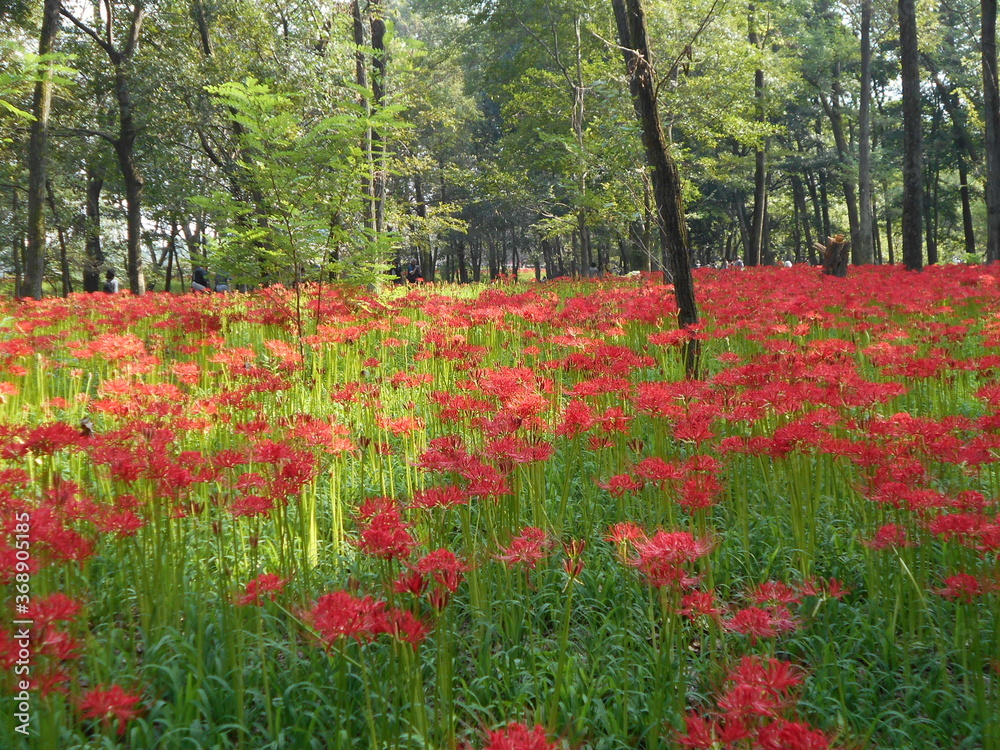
x=413, y=271
x=199, y=280
x=592, y=272
x=221, y=283
x=111, y=285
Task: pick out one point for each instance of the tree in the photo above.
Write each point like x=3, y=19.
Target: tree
x=630, y=18
x=913, y=256
x=34, y=253
x=122, y=59
x=991, y=118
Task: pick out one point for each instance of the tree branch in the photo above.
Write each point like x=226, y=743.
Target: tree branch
x=112, y=52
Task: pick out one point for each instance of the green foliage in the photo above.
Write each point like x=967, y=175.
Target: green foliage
x=303, y=176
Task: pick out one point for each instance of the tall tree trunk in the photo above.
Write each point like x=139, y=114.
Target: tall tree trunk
x=913, y=254
x=378, y=99
x=834, y=112
x=171, y=254
x=34, y=255
x=66, y=280
x=967, y=226
x=631, y=20
x=756, y=247
x=991, y=116
x=864, y=250
x=18, y=243
x=361, y=79
x=799, y=198
x=93, y=254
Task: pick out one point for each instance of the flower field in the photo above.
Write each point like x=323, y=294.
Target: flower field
x=500, y=518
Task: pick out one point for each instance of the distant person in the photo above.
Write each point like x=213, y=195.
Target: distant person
x=111, y=285
x=413, y=272
x=788, y=263
x=199, y=281
x=592, y=271
x=221, y=283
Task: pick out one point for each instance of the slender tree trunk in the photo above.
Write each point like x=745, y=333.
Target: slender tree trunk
x=34, y=256
x=631, y=21
x=967, y=226
x=864, y=251
x=93, y=254
x=876, y=235
x=67, y=281
x=361, y=79
x=378, y=100
x=19, y=242
x=799, y=197
x=171, y=254
x=756, y=247
x=833, y=109
x=913, y=254
x=991, y=116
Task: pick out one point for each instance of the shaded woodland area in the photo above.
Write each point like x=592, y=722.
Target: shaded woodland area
x=277, y=141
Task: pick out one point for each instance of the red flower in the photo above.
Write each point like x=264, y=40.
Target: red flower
x=528, y=548
x=698, y=604
x=791, y=735
x=339, y=615
x=760, y=623
x=444, y=567
x=387, y=536
x=519, y=737
x=110, y=704
x=962, y=586
x=662, y=558
x=265, y=583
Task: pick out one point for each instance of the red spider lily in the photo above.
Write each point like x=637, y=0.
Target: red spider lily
x=774, y=592
x=962, y=587
x=444, y=567
x=623, y=534
x=250, y=506
x=701, y=733
x=110, y=704
x=527, y=549
x=573, y=564
x=761, y=623
x=791, y=735
x=407, y=627
x=655, y=469
x=410, y=583
x=340, y=615
x=578, y=418
x=889, y=535
x=774, y=675
x=387, y=536
x=619, y=484
x=662, y=557
x=699, y=604
x=54, y=608
x=831, y=589
x=518, y=737
x=266, y=583
x=749, y=702
x=439, y=497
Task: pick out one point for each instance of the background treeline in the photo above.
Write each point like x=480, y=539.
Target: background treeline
x=277, y=140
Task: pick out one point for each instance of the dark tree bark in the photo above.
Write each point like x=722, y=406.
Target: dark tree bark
x=128, y=130
x=863, y=245
x=631, y=20
x=34, y=254
x=361, y=79
x=93, y=254
x=832, y=107
x=755, y=250
x=19, y=241
x=991, y=116
x=913, y=253
x=378, y=98
x=66, y=280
